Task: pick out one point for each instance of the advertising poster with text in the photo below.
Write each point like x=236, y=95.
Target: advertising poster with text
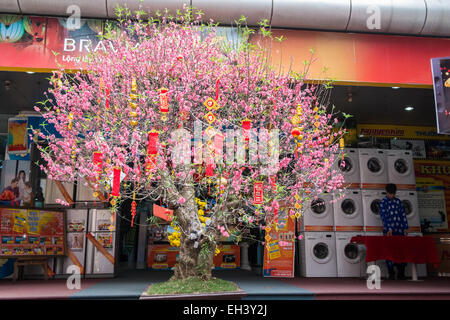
x=31, y=232
x=279, y=250
x=433, y=193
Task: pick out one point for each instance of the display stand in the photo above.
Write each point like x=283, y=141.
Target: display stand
x=22, y=262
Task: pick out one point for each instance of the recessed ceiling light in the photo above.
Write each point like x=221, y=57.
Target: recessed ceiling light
x=395, y=88
x=409, y=108
x=30, y=72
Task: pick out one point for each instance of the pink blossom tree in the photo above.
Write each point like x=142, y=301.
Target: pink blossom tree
x=184, y=115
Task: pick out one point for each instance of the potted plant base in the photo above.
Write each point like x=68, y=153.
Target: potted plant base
x=193, y=289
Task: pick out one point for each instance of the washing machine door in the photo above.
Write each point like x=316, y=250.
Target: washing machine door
x=352, y=253
x=409, y=209
x=319, y=208
x=348, y=208
x=321, y=252
x=375, y=165
x=375, y=208
x=402, y=167
x=346, y=165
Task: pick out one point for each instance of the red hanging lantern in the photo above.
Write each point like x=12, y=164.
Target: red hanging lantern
x=246, y=126
x=98, y=163
x=116, y=183
x=296, y=132
x=164, y=102
x=258, y=194
x=152, y=151
x=209, y=171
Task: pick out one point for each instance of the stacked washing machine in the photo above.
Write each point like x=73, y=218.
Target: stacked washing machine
x=349, y=218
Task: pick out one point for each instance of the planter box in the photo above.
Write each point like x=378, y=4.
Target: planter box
x=235, y=295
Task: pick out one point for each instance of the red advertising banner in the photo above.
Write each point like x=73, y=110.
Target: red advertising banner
x=31, y=232
x=279, y=249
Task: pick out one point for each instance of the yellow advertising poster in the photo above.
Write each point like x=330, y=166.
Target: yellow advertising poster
x=401, y=132
x=20, y=220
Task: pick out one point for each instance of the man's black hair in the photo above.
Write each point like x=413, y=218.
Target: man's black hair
x=391, y=188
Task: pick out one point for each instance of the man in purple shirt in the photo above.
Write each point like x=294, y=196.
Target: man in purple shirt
x=395, y=223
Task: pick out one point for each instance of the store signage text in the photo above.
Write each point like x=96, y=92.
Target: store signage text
x=71, y=45
x=440, y=170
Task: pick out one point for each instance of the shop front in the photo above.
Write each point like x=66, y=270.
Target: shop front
x=375, y=78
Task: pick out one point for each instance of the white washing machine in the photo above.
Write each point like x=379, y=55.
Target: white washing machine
x=411, y=206
x=371, y=208
x=421, y=268
x=401, y=169
x=348, y=211
x=350, y=257
x=318, y=254
x=373, y=168
x=318, y=214
x=349, y=167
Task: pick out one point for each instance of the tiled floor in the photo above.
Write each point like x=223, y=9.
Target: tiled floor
x=130, y=284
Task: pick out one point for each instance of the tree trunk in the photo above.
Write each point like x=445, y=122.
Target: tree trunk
x=196, y=250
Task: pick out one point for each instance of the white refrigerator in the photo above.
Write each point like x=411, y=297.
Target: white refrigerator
x=101, y=244
x=77, y=226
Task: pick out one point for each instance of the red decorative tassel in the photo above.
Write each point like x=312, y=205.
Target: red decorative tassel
x=133, y=211
x=217, y=89
x=107, y=99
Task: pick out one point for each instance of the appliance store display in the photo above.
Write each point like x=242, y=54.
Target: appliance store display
x=317, y=254
x=411, y=206
x=373, y=168
x=90, y=242
x=348, y=211
x=318, y=214
x=401, y=169
x=349, y=167
x=371, y=207
x=350, y=257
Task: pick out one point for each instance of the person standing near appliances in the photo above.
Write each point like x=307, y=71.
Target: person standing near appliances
x=395, y=223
